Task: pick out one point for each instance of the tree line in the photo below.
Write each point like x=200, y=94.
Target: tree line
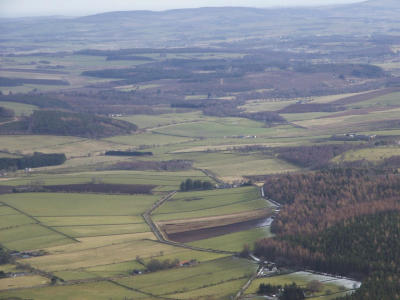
x=34, y=161
x=190, y=185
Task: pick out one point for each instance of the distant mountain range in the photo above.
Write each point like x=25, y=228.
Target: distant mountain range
x=202, y=26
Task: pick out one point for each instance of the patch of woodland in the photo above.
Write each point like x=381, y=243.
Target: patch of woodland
x=315, y=156
x=170, y=165
x=195, y=185
x=127, y=153
x=39, y=100
x=366, y=247
x=100, y=188
x=4, y=81
x=341, y=221
x=52, y=122
x=6, y=114
x=5, y=256
x=32, y=161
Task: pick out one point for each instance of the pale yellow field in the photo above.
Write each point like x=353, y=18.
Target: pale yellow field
x=373, y=154
x=107, y=254
x=32, y=143
x=22, y=282
x=331, y=98
x=82, y=147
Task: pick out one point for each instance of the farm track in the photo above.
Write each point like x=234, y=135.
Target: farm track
x=211, y=175
x=160, y=237
x=248, y=283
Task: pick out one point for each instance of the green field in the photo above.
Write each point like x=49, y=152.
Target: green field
x=20, y=109
x=374, y=154
x=234, y=241
x=198, y=201
x=99, y=291
x=31, y=236
x=388, y=100
x=148, y=139
x=224, y=290
x=31, y=143
x=231, y=166
x=224, y=127
x=215, y=211
x=59, y=204
x=150, y=121
x=164, y=180
x=184, y=280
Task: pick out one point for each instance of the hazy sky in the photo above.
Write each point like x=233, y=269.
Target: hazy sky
x=22, y=8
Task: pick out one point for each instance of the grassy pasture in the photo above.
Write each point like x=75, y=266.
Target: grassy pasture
x=32, y=143
x=90, y=220
x=340, y=123
x=234, y=241
x=385, y=100
x=151, y=121
x=59, y=204
x=84, y=147
x=215, y=211
x=192, y=201
x=196, y=97
x=266, y=105
x=331, y=98
x=114, y=255
x=22, y=282
x=231, y=166
x=186, y=254
x=166, y=181
x=112, y=270
x=371, y=154
x=192, y=278
x=20, y=109
x=74, y=275
x=277, y=104
x=6, y=211
x=31, y=236
x=220, y=291
x=88, y=291
x=107, y=254
x=124, y=268
x=231, y=127
x=305, y=116
x=8, y=221
x=147, y=139
x=8, y=268
x=134, y=87
x=97, y=242
x=101, y=230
